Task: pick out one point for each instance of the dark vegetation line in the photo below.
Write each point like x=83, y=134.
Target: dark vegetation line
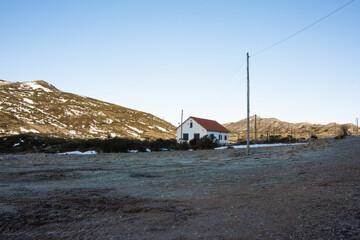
x=38, y=143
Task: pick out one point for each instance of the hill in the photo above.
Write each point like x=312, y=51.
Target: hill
x=39, y=107
x=274, y=127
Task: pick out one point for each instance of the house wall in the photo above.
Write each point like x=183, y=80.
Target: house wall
x=196, y=128
x=216, y=135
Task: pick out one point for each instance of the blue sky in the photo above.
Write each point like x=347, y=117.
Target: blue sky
x=164, y=56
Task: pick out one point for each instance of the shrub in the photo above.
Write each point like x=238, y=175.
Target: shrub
x=203, y=143
x=314, y=137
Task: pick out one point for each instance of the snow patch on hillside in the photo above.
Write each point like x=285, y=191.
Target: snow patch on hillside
x=162, y=129
x=35, y=85
x=95, y=130
x=132, y=133
x=114, y=135
x=28, y=101
x=135, y=129
x=76, y=112
x=24, y=130
x=108, y=121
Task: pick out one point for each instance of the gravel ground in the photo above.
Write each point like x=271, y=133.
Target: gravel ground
x=308, y=191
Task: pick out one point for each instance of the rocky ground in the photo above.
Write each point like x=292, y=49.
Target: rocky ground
x=307, y=191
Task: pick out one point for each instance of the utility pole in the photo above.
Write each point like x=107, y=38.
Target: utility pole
x=357, y=126
x=255, y=131
x=248, y=106
x=181, y=126
x=335, y=129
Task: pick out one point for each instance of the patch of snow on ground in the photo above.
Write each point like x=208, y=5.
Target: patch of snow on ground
x=113, y=135
x=19, y=109
x=73, y=132
x=79, y=153
x=35, y=86
x=95, y=130
x=132, y=151
x=132, y=133
x=12, y=132
x=28, y=101
x=135, y=129
x=68, y=113
x=24, y=130
x=162, y=129
x=76, y=112
x=260, y=145
x=16, y=144
x=41, y=121
x=54, y=124
x=109, y=121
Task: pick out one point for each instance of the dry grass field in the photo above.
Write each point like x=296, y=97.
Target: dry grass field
x=308, y=191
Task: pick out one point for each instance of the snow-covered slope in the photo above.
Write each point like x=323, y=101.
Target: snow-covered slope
x=39, y=107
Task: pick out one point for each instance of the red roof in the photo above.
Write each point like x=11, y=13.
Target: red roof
x=210, y=125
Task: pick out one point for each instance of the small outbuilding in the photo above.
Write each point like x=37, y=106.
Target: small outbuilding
x=197, y=128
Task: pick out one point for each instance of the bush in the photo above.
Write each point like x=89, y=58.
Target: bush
x=182, y=146
x=46, y=144
x=204, y=143
x=314, y=137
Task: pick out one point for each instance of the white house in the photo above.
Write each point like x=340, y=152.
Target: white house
x=195, y=127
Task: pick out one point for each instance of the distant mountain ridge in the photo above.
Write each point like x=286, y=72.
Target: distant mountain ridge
x=273, y=126
x=39, y=107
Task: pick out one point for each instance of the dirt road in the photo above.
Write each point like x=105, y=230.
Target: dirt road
x=295, y=192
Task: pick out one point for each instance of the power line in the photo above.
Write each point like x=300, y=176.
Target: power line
x=229, y=94
x=227, y=80
x=302, y=30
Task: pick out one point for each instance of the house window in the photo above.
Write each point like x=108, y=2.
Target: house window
x=196, y=135
x=212, y=137
x=220, y=137
x=191, y=124
x=185, y=136
x=225, y=137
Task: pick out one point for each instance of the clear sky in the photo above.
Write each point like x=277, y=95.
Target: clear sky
x=164, y=56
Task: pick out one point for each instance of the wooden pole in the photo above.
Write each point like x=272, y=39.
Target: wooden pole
x=181, y=126
x=248, y=107
x=255, y=130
